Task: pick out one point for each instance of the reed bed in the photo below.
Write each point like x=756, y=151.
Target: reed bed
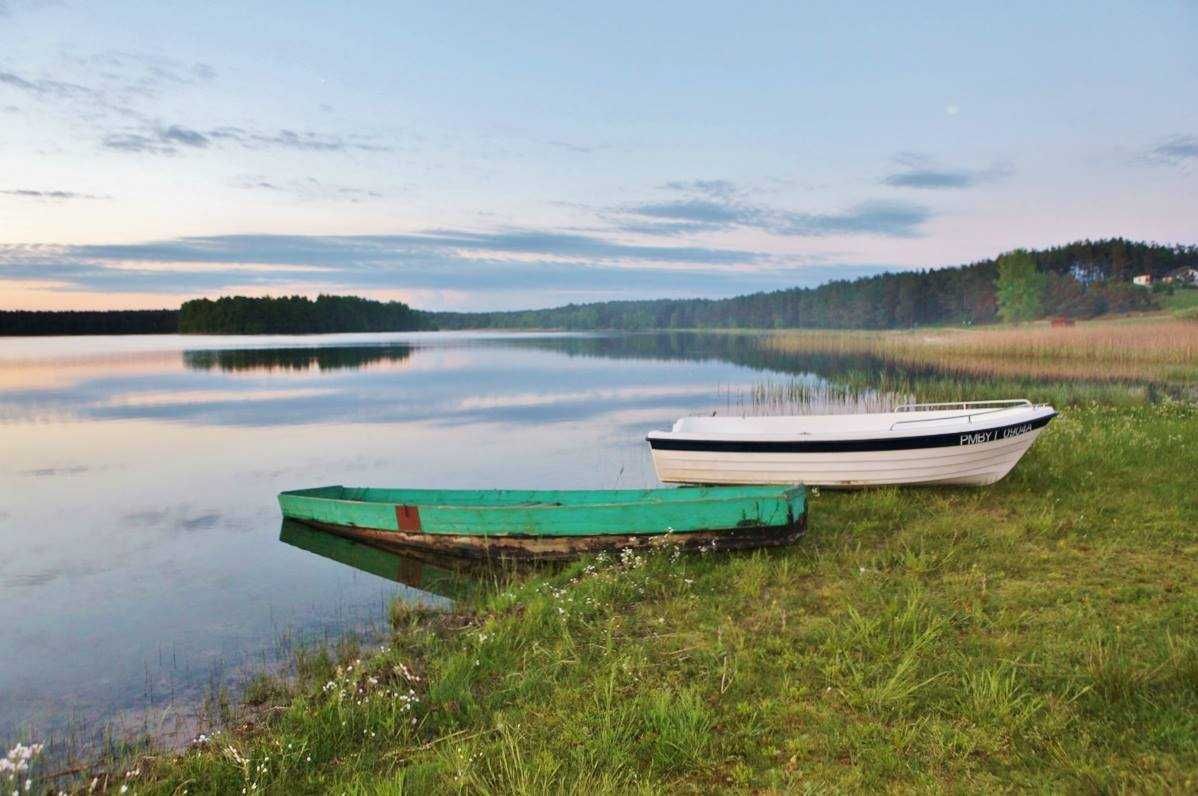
x=1148, y=348
x=882, y=392
x=804, y=396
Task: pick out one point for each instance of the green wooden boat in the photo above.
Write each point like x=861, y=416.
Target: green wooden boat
x=547, y=524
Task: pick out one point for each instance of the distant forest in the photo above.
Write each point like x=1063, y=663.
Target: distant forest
x=1083, y=279
x=28, y=322
x=298, y=315
x=229, y=315
x=1078, y=280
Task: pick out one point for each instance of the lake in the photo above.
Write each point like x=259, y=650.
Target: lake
x=143, y=569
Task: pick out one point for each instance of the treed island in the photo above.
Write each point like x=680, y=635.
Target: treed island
x=1078, y=280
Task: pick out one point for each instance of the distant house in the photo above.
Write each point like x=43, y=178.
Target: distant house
x=1142, y=279
x=1186, y=275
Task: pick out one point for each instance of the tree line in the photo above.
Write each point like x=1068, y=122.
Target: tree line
x=298, y=315
x=1079, y=280
x=34, y=322
x=228, y=315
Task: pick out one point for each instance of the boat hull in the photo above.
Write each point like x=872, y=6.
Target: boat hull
x=970, y=458
x=552, y=524
x=550, y=548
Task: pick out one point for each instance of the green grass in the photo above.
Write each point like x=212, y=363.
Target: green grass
x=1039, y=634
x=1183, y=301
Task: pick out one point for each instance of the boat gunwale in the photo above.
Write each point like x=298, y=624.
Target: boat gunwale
x=766, y=508
x=779, y=493
x=860, y=442
x=1035, y=412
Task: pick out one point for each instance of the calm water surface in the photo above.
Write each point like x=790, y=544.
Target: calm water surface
x=143, y=565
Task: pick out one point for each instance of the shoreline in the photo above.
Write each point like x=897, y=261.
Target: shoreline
x=1000, y=615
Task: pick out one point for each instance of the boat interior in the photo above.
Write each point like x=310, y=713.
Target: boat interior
x=533, y=497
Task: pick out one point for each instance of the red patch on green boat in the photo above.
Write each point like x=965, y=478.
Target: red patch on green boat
x=407, y=518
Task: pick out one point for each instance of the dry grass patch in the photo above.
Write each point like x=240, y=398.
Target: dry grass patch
x=1144, y=347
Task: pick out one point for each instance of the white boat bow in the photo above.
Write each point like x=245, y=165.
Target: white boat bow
x=974, y=442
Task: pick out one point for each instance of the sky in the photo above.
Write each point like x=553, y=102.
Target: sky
x=479, y=155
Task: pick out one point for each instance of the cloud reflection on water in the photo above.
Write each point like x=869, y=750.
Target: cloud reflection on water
x=365, y=384
x=140, y=476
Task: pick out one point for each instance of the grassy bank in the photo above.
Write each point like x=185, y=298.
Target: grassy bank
x=1039, y=633
x=1182, y=303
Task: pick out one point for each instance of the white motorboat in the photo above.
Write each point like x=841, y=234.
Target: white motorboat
x=974, y=442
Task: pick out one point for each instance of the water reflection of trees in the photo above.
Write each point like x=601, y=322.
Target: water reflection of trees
x=297, y=358
x=854, y=370
x=745, y=350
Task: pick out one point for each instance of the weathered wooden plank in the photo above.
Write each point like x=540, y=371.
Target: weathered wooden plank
x=562, y=547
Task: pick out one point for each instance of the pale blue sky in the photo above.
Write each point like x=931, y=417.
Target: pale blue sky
x=524, y=154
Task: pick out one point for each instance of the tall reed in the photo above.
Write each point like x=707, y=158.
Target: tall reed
x=1155, y=347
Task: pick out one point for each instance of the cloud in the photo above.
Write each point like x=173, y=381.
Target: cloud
x=168, y=140
x=885, y=218
x=182, y=135
x=48, y=88
x=688, y=216
x=133, y=142
x=1173, y=151
x=163, y=141
x=310, y=141
x=16, y=80
x=308, y=189
x=931, y=178
x=111, y=82
x=920, y=172
x=360, y=254
x=141, y=73
x=701, y=211
x=114, y=92
x=487, y=266
x=574, y=246
x=109, y=90
x=48, y=472
x=26, y=193
x=718, y=188
x=581, y=149
x=715, y=205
